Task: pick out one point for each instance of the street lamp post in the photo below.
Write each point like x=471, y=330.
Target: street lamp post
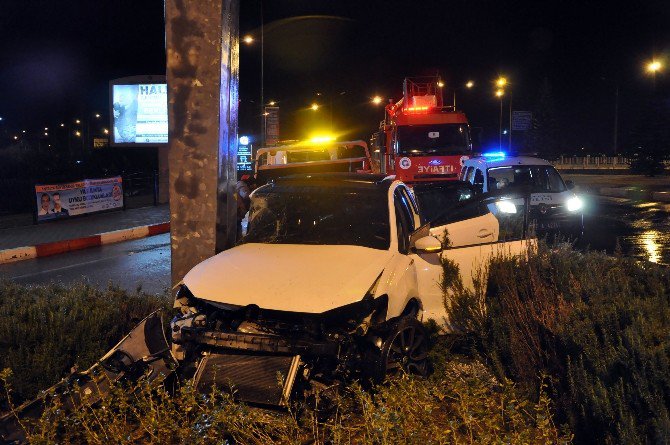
x=500, y=93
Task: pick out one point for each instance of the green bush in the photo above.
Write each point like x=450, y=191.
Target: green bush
x=597, y=326
x=461, y=403
x=47, y=330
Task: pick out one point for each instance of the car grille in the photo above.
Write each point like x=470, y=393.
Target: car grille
x=256, y=379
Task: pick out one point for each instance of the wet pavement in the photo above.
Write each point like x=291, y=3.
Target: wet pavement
x=640, y=229
x=142, y=263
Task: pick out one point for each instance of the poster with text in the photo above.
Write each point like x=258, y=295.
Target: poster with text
x=140, y=113
x=55, y=201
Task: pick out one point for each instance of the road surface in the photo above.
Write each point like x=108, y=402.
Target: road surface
x=141, y=263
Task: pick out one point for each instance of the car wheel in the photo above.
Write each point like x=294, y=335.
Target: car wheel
x=404, y=348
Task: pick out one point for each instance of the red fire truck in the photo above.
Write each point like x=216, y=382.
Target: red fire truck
x=421, y=139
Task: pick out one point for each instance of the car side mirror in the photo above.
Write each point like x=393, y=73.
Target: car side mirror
x=427, y=244
x=569, y=184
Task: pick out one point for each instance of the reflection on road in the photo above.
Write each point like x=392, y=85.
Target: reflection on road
x=650, y=242
x=642, y=230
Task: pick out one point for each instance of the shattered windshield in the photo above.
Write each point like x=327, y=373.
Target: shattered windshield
x=299, y=214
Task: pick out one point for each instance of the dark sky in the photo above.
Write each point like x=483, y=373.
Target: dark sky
x=56, y=58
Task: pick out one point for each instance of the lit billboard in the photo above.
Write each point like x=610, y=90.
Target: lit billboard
x=139, y=114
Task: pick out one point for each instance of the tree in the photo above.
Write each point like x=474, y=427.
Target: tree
x=543, y=137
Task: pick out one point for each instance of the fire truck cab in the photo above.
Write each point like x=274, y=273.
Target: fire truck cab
x=421, y=139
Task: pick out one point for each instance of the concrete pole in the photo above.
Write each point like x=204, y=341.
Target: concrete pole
x=202, y=38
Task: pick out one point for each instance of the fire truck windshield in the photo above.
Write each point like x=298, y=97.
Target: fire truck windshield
x=438, y=139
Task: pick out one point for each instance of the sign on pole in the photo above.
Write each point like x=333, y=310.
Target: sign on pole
x=271, y=126
x=522, y=120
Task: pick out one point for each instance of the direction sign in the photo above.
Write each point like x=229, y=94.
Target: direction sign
x=522, y=120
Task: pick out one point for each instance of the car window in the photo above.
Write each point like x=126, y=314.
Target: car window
x=555, y=181
x=437, y=199
x=479, y=178
x=470, y=174
x=535, y=178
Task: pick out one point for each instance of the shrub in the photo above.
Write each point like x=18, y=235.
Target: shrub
x=47, y=330
x=598, y=326
x=462, y=402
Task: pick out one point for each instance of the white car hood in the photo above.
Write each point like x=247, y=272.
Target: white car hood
x=288, y=277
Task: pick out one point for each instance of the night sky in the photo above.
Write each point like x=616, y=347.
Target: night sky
x=56, y=59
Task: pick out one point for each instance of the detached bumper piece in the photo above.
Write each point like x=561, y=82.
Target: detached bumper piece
x=257, y=379
x=142, y=355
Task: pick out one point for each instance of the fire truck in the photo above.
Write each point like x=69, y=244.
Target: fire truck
x=421, y=139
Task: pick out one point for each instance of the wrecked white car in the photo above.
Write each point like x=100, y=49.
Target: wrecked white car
x=331, y=282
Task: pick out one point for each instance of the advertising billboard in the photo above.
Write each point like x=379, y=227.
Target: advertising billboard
x=59, y=201
x=139, y=112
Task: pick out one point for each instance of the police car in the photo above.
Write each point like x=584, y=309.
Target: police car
x=554, y=206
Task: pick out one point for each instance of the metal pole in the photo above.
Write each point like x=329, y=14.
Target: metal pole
x=509, y=149
x=263, y=117
x=500, y=129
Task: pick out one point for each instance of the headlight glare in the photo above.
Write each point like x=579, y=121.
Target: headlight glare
x=575, y=203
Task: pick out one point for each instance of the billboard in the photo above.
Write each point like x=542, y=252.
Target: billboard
x=139, y=112
x=59, y=201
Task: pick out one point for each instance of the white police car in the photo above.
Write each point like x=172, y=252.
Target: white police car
x=553, y=204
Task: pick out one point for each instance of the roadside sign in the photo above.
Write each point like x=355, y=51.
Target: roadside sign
x=271, y=126
x=100, y=142
x=521, y=120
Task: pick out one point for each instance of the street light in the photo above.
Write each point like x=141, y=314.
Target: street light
x=440, y=83
x=501, y=82
x=469, y=84
x=248, y=39
x=272, y=103
x=315, y=107
x=654, y=66
x=77, y=121
x=377, y=100
x=97, y=115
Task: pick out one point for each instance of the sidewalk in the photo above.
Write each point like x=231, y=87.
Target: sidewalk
x=87, y=230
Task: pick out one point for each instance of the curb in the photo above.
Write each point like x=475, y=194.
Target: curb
x=58, y=247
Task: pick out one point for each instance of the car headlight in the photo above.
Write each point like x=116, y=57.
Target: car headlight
x=575, y=203
x=506, y=207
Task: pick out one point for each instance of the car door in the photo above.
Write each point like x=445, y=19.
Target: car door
x=471, y=237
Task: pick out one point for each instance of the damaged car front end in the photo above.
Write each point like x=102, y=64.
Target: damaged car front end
x=263, y=356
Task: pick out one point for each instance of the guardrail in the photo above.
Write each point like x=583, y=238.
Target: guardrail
x=592, y=162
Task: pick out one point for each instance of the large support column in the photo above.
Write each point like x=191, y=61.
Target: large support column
x=163, y=176
x=202, y=39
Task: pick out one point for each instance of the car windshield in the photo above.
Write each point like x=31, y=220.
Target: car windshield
x=299, y=214
x=537, y=178
x=438, y=139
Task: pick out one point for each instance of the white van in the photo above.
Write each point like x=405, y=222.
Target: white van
x=553, y=204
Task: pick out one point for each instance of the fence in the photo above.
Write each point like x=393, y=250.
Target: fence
x=592, y=163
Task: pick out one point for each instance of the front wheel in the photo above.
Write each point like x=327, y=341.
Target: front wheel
x=404, y=348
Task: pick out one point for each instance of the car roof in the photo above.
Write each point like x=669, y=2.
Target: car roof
x=485, y=162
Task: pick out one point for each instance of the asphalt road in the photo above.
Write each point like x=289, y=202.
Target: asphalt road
x=642, y=230
x=141, y=263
